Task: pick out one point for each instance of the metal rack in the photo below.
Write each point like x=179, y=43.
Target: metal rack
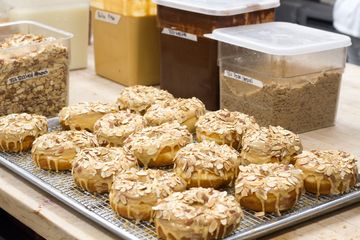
x=97, y=207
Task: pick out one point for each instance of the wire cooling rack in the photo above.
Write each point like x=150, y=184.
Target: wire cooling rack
x=97, y=207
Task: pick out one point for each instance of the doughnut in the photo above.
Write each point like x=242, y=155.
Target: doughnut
x=113, y=128
x=156, y=146
x=93, y=168
x=83, y=116
x=186, y=111
x=224, y=127
x=269, y=145
x=139, y=98
x=135, y=192
x=18, y=131
x=56, y=150
x=198, y=213
x=207, y=164
x=327, y=172
x=269, y=187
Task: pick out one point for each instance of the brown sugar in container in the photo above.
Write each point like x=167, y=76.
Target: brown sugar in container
x=283, y=74
x=189, y=60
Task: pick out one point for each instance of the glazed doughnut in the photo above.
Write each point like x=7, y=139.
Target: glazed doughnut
x=93, y=168
x=269, y=145
x=207, y=164
x=327, y=171
x=156, y=146
x=135, y=192
x=83, y=116
x=185, y=111
x=270, y=187
x=18, y=131
x=139, y=98
x=224, y=127
x=113, y=128
x=198, y=213
x=56, y=150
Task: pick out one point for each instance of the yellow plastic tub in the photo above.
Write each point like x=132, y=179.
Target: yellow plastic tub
x=126, y=41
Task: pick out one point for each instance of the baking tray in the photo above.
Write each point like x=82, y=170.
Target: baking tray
x=97, y=208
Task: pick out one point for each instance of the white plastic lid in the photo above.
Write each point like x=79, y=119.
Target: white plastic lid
x=280, y=38
x=45, y=3
x=219, y=7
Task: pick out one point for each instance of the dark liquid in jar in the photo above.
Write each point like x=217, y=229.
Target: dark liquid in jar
x=189, y=68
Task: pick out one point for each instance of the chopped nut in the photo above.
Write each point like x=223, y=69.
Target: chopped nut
x=148, y=183
x=267, y=178
x=139, y=98
x=208, y=156
x=15, y=127
x=193, y=207
x=266, y=144
x=36, y=81
x=114, y=128
x=123, y=199
x=339, y=167
x=180, y=110
x=229, y=126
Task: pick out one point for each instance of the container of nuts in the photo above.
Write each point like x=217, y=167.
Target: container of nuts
x=281, y=73
x=34, y=68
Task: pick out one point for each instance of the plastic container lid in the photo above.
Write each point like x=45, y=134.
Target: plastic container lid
x=25, y=27
x=280, y=38
x=4, y=10
x=219, y=7
x=42, y=3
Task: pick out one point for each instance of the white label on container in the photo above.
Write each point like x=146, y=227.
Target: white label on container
x=243, y=78
x=107, y=17
x=179, y=34
x=27, y=76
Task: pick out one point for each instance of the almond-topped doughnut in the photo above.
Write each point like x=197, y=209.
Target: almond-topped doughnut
x=198, y=213
x=224, y=127
x=18, y=131
x=207, y=164
x=82, y=116
x=113, y=128
x=185, y=111
x=93, y=168
x=139, y=98
x=56, y=150
x=156, y=146
x=270, y=187
x=272, y=144
x=327, y=171
x=135, y=192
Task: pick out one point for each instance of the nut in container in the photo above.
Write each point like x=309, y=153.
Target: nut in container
x=34, y=68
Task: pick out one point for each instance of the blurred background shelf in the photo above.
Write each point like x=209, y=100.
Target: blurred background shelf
x=317, y=14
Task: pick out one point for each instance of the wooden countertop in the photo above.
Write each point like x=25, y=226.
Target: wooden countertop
x=53, y=220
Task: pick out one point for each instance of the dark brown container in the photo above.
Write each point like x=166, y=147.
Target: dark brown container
x=188, y=67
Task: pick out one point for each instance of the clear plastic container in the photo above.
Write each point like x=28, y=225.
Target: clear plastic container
x=34, y=68
x=188, y=60
x=281, y=73
x=126, y=41
x=4, y=11
x=69, y=15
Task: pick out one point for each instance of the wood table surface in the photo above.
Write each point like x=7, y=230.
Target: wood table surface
x=53, y=220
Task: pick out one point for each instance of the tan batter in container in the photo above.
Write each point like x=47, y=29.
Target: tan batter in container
x=126, y=41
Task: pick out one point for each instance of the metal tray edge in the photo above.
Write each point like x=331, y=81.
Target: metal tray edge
x=299, y=217
x=255, y=233
x=64, y=199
